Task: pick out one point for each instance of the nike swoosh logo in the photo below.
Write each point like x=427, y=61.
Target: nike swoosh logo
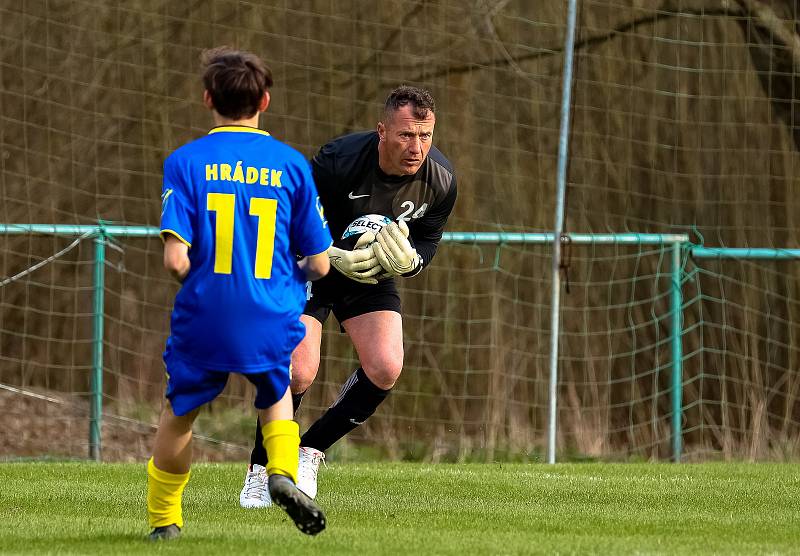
x=356, y=422
x=351, y=196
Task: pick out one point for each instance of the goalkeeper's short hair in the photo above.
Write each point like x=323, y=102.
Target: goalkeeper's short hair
x=420, y=100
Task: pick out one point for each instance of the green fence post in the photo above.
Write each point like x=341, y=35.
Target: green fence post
x=96, y=402
x=676, y=341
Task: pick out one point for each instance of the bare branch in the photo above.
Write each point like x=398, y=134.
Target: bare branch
x=765, y=17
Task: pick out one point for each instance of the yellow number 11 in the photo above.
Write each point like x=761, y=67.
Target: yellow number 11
x=266, y=209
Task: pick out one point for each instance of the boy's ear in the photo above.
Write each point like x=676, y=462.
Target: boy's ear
x=207, y=100
x=262, y=106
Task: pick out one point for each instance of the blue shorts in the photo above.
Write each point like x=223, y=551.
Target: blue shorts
x=189, y=387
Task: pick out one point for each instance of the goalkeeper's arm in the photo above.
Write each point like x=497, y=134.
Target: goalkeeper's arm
x=408, y=258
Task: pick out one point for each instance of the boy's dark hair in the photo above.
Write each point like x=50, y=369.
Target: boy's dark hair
x=421, y=101
x=236, y=81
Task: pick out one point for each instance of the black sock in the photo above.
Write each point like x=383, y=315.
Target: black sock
x=358, y=400
x=296, y=399
x=259, y=453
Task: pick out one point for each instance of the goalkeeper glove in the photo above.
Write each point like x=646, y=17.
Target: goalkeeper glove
x=394, y=251
x=360, y=264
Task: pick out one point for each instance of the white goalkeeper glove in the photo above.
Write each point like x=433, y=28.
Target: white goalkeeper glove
x=360, y=264
x=394, y=251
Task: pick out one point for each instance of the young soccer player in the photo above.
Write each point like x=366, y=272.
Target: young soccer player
x=237, y=205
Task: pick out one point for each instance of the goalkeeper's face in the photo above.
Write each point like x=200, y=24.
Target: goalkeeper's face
x=404, y=141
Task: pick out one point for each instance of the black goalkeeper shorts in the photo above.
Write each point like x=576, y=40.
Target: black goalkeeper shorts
x=348, y=298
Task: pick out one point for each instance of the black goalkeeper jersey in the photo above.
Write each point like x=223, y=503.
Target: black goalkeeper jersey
x=351, y=184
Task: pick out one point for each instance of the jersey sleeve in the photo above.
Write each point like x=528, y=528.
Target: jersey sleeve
x=309, y=228
x=177, y=204
x=323, y=169
x=426, y=232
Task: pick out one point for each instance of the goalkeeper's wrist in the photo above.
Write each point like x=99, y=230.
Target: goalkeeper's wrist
x=416, y=270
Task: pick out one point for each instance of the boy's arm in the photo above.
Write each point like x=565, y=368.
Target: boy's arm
x=309, y=227
x=176, y=257
x=315, y=266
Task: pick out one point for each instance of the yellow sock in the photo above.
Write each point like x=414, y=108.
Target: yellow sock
x=282, y=443
x=164, y=491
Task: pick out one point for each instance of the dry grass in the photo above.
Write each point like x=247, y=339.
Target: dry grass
x=672, y=132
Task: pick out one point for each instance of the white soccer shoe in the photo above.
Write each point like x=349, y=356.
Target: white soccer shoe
x=307, y=470
x=255, y=492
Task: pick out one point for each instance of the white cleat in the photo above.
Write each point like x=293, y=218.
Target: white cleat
x=308, y=469
x=255, y=492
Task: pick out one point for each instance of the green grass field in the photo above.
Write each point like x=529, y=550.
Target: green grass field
x=419, y=509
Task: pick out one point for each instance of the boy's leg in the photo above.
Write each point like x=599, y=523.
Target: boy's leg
x=282, y=443
x=255, y=492
x=258, y=456
x=305, y=364
x=168, y=470
x=281, y=437
x=188, y=389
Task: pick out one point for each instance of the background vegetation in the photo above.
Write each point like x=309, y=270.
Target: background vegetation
x=684, y=120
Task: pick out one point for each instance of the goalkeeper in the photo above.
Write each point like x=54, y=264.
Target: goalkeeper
x=236, y=207
x=394, y=171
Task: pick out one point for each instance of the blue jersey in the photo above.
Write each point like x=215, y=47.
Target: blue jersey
x=245, y=204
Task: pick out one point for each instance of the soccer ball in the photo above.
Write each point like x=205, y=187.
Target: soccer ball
x=366, y=223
